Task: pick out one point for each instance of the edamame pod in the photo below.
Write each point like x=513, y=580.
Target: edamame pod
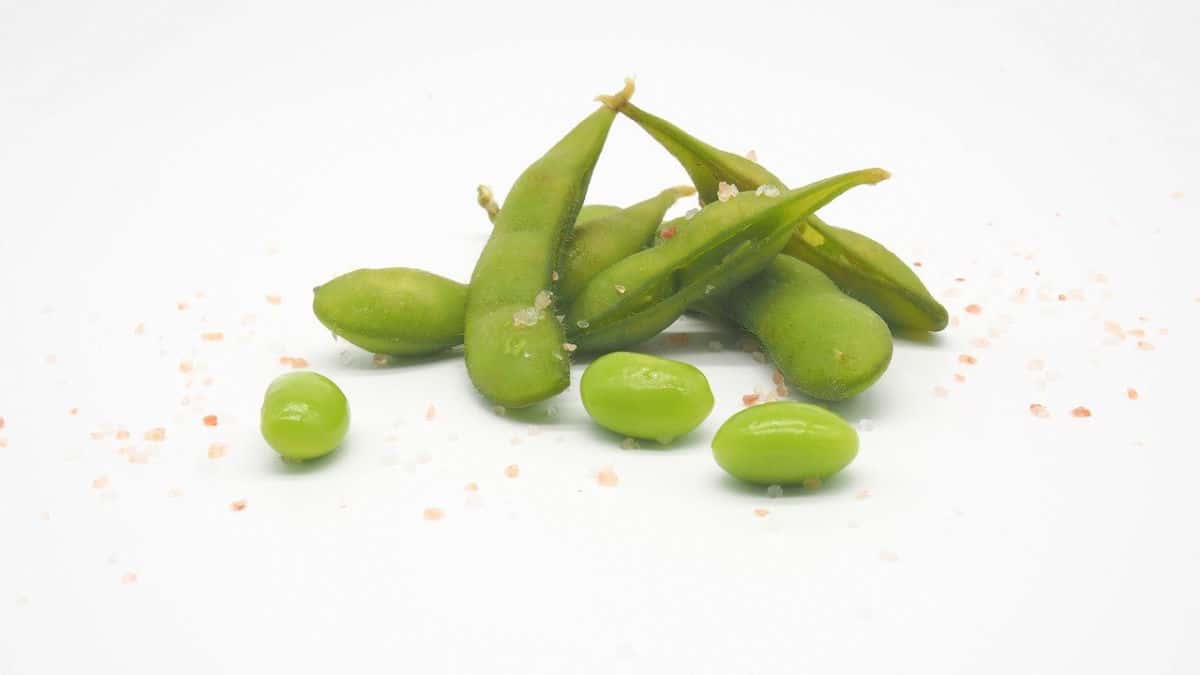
x=714, y=250
x=589, y=212
x=514, y=346
x=866, y=270
x=859, y=265
x=827, y=344
x=602, y=241
x=396, y=310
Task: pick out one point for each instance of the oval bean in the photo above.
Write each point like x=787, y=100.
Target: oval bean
x=645, y=396
x=784, y=443
x=304, y=416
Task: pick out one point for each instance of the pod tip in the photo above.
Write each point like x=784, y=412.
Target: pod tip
x=683, y=190
x=618, y=100
x=487, y=199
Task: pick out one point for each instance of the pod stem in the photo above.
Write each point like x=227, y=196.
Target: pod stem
x=487, y=199
x=618, y=100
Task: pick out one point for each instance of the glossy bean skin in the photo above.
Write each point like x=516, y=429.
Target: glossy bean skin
x=860, y=266
x=605, y=239
x=396, y=310
x=304, y=416
x=713, y=251
x=825, y=343
x=784, y=443
x=645, y=396
x=514, y=345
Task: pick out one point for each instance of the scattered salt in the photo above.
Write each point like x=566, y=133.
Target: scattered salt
x=210, y=420
x=525, y=317
x=238, y=505
x=725, y=191
x=606, y=477
x=761, y=513
x=1039, y=410
x=155, y=434
x=217, y=450
x=274, y=299
x=542, y=300
x=629, y=444
x=752, y=155
x=512, y=471
x=380, y=359
x=1145, y=346
x=1080, y=411
x=433, y=513
x=973, y=309
x=569, y=347
x=430, y=413
x=582, y=323
x=767, y=191
x=967, y=359
x=1131, y=393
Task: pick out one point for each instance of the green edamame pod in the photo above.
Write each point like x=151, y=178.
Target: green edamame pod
x=863, y=268
x=514, y=346
x=589, y=212
x=396, y=310
x=716, y=249
x=827, y=344
x=602, y=241
x=859, y=265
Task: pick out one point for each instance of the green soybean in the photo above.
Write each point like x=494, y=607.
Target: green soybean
x=304, y=416
x=714, y=250
x=784, y=443
x=396, y=310
x=514, y=345
x=605, y=239
x=859, y=265
x=827, y=344
x=645, y=396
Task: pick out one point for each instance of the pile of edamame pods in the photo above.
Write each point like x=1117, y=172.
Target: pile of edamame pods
x=558, y=277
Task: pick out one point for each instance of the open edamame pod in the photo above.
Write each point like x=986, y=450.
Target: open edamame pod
x=714, y=250
x=859, y=265
x=514, y=345
x=827, y=344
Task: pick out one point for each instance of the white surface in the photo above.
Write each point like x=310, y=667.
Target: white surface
x=149, y=152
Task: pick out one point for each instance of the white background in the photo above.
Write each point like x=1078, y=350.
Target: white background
x=151, y=152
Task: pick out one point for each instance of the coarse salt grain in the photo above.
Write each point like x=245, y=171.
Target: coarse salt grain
x=1145, y=346
x=238, y=505
x=554, y=275
x=186, y=367
x=569, y=347
x=2, y=422
x=629, y=444
x=753, y=157
x=527, y=316
x=542, y=300
x=981, y=342
x=967, y=359
x=668, y=232
x=1080, y=411
x=619, y=288
x=512, y=471
x=155, y=434
x=499, y=409
x=725, y=191
x=379, y=359
x=100, y=483
x=210, y=420
x=175, y=492
x=606, y=477
x=121, y=435
x=774, y=491
x=217, y=450
x=433, y=513
x=139, y=329
x=430, y=413
x=1039, y=410
x=471, y=487
x=274, y=299
x=750, y=399
x=582, y=323
x=1131, y=393
x=960, y=378
x=212, y=336
x=129, y=578
x=761, y=513
x=767, y=191
x=973, y=309
x=940, y=391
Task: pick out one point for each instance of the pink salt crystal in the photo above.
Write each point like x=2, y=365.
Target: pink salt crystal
x=1145, y=346
x=238, y=505
x=967, y=359
x=121, y=435
x=1039, y=410
x=274, y=299
x=379, y=359
x=1080, y=411
x=139, y=329
x=100, y=483
x=940, y=391
x=430, y=413
x=606, y=477
x=1131, y=393
x=129, y=578
x=155, y=434
x=973, y=309
x=217, y=450
x=761, y=513
x=433, y=513
x=471, y=487
x=512, y=471
x=212, y=336
x=959, y=377
x=981, y=342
